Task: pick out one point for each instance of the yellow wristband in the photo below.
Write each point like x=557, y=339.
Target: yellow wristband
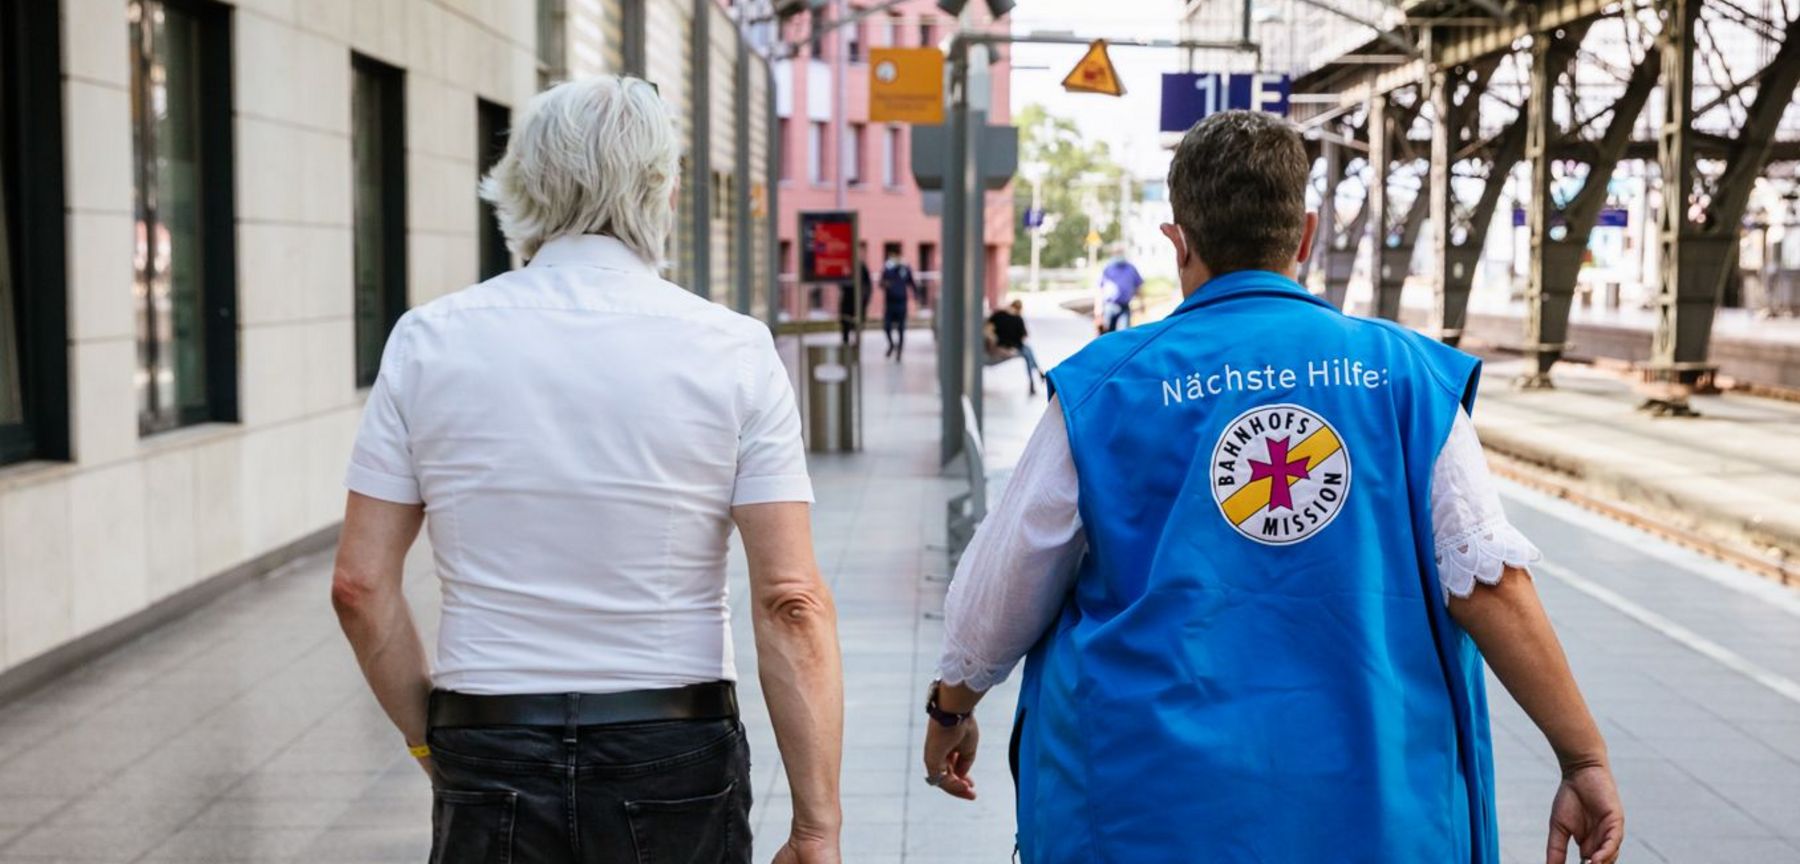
x=420, y=752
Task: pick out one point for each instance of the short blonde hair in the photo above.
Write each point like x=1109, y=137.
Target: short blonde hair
x=594, y=156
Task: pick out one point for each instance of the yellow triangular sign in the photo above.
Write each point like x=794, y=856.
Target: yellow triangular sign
x=1095, y=73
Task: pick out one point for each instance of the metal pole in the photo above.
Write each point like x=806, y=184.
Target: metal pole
x=951, y=285
x=700, y=145
x=976, y=91
x=840, y=84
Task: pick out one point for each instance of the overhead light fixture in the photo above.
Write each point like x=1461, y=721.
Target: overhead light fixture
x=997, y=8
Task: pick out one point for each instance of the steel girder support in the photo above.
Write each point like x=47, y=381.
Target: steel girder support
x=1375, y=203
x=1455, y=261
x=1394, y=253
x=1556, y=261
x=1387, y=123
x=1698, y=254
x=1338, y=243
x=1551, y=280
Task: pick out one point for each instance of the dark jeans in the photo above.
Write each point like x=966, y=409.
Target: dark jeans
x=893, y=326
x=670, y=792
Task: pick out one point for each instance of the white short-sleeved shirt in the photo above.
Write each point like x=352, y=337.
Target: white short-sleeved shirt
x=578, y=431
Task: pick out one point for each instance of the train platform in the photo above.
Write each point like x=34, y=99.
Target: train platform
x=243, y=732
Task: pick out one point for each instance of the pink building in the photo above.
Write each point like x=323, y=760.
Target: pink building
x=875, y=158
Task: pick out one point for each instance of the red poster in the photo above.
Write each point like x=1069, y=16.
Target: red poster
x=830, y=247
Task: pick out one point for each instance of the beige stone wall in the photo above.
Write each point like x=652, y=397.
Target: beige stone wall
x=134, y=519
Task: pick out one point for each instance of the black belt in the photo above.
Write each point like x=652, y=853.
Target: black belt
x=712, y=701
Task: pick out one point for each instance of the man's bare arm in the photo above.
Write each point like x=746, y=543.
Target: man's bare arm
x=801, y=672
x=1508, y=624
x=366, y=592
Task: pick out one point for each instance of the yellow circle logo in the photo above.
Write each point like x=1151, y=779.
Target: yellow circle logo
x=1280, y=474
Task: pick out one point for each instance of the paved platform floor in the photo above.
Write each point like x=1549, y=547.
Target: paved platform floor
x=1673, y=468
x=244, y=733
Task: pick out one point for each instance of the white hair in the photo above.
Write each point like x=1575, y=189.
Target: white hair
x=595, y=156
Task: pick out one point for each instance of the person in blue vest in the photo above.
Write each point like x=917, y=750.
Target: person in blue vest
x=1256, y=560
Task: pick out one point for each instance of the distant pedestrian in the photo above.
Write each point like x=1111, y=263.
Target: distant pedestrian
x=1007, y=329
x=580, y=436
x=1119, y=283
x=853, y=302
x=897, y=283
x=1254, y=561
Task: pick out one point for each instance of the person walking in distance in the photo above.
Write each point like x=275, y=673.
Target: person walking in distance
x=1119, y=283
x=896, y=284
x=568, y=437
x=853, y=303
x=1255, y=562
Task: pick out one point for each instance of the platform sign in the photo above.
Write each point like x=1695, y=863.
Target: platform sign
x=906, y=85
x=1190, y=97
x=1034, y=217
x=827, y=245
x=1609, y=217
x=1094, y=73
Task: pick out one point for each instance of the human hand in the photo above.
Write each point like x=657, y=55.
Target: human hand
x=1587, y=809
x=809, y=847
x=949, y=753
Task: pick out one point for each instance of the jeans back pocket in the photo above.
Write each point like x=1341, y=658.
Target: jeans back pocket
x=689, y=831
x=472, y=827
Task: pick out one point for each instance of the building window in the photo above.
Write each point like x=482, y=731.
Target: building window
x=816, y=33
x=493, y=122
x=927, y=33
x=181, y=141
x=815, y=152
x=786, y=256
x=378, y=166
x=855, y=37
x=550, y=54
x=890, y=157
x=33, y=318
x=787, y=170
x=853, y=153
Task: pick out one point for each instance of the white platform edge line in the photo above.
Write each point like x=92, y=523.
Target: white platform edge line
x=1777, y=597
x=1782, y=686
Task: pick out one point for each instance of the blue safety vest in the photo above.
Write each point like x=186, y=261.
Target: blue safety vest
x=1256, y=663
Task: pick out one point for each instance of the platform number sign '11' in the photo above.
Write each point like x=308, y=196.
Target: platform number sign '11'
x=1190, y=97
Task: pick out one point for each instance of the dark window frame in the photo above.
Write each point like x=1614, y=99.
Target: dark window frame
x=34, y=222
x=493, y=124
x=390, y=299
x=217, y=223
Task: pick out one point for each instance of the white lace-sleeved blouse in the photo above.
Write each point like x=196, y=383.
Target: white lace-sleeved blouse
x=1013, y=577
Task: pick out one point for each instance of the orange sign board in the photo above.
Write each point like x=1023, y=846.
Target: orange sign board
x=1095, y=73
x=906, y=85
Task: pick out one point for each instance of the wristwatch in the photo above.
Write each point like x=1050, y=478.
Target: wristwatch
x=943, y=718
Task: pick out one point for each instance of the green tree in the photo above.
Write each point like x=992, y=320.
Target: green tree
x=1080, y=188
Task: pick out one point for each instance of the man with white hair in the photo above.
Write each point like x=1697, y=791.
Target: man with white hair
x=583, y=435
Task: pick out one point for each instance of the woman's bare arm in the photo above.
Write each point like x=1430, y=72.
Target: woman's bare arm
x=1508, y=624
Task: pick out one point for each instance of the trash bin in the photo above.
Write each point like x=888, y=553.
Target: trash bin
x=833, y=399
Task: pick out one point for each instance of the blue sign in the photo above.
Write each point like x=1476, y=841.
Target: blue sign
x=1034, y=218
x=1190, y=97
x=1610, y=217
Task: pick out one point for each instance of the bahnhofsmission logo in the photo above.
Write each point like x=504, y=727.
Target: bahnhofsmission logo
x=1280, y=473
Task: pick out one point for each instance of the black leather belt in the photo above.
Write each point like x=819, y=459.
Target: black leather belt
x=712, y=701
